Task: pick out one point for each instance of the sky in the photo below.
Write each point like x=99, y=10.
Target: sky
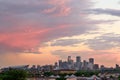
x=44, y=31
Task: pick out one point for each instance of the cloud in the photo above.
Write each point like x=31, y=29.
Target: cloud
x=104, y=42
x=21, y=40
x=60, y=8
x=54, y=7
x=103, y=21
x=66, y=42
x=65, y=54
x=27, y=24
x=113, y=12
x=21, y=7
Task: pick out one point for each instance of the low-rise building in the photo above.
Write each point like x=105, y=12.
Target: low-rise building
x=64, y=71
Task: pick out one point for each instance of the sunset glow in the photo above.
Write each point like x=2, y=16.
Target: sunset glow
x=44, y=31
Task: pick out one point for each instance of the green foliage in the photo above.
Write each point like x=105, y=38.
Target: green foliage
x=14, y=75
x=1, y=78
x=118, y=77
x=86, y=73
x=111, y=77
x=63, y=75
x=48, y=73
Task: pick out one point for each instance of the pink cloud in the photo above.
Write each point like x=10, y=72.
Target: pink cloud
x=29, y=38
x=64, y=11
x=24, y=40
x=27, y=29
x=60, y=8
x=47, y=11
x=58, y=2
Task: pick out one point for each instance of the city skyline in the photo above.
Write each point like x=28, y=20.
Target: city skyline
x=68, y=64
x=77, y=61
x=44, y=31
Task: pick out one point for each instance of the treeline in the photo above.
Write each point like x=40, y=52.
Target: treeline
x=23, y=75
x=13, y=75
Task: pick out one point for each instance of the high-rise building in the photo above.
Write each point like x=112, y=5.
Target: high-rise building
x=56, y=65
x=78, y=63
x=102, y=67
x=65, y=65
x=70, y=62
x=117, y=66
x=38, y=67
x=33, y=67
x=85, y=65
x=96, y=66
x=69, y=59
x=60, y=63
x=78, y=59
x=91, y=60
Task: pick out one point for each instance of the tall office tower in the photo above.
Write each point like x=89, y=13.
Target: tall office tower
x=102, y=67
x=56, y=65
x=33, y=67
x=69, y=62
x=38, y=67
x=91, y=60
x=85, y=65
x=117, y=66
x=78, y=63
x=60, y=64
x=69, y=59
x=65, y=65
x=96, y=66
x=72, y=64
x=78, y=59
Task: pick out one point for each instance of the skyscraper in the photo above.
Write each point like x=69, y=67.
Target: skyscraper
x=60, y=63
x=85, y=65
x=96, y=66
x=56, y=65
x=69, y=59
x=78, y=63
x=78, y=59
x=91, y=60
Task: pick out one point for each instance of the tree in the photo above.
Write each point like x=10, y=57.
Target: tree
x=14, y=75
x=86, y=73
x=48, y=73
x=118, y=77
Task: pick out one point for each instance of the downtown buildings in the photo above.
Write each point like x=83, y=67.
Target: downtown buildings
x=76, y=65
x=69, y=65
